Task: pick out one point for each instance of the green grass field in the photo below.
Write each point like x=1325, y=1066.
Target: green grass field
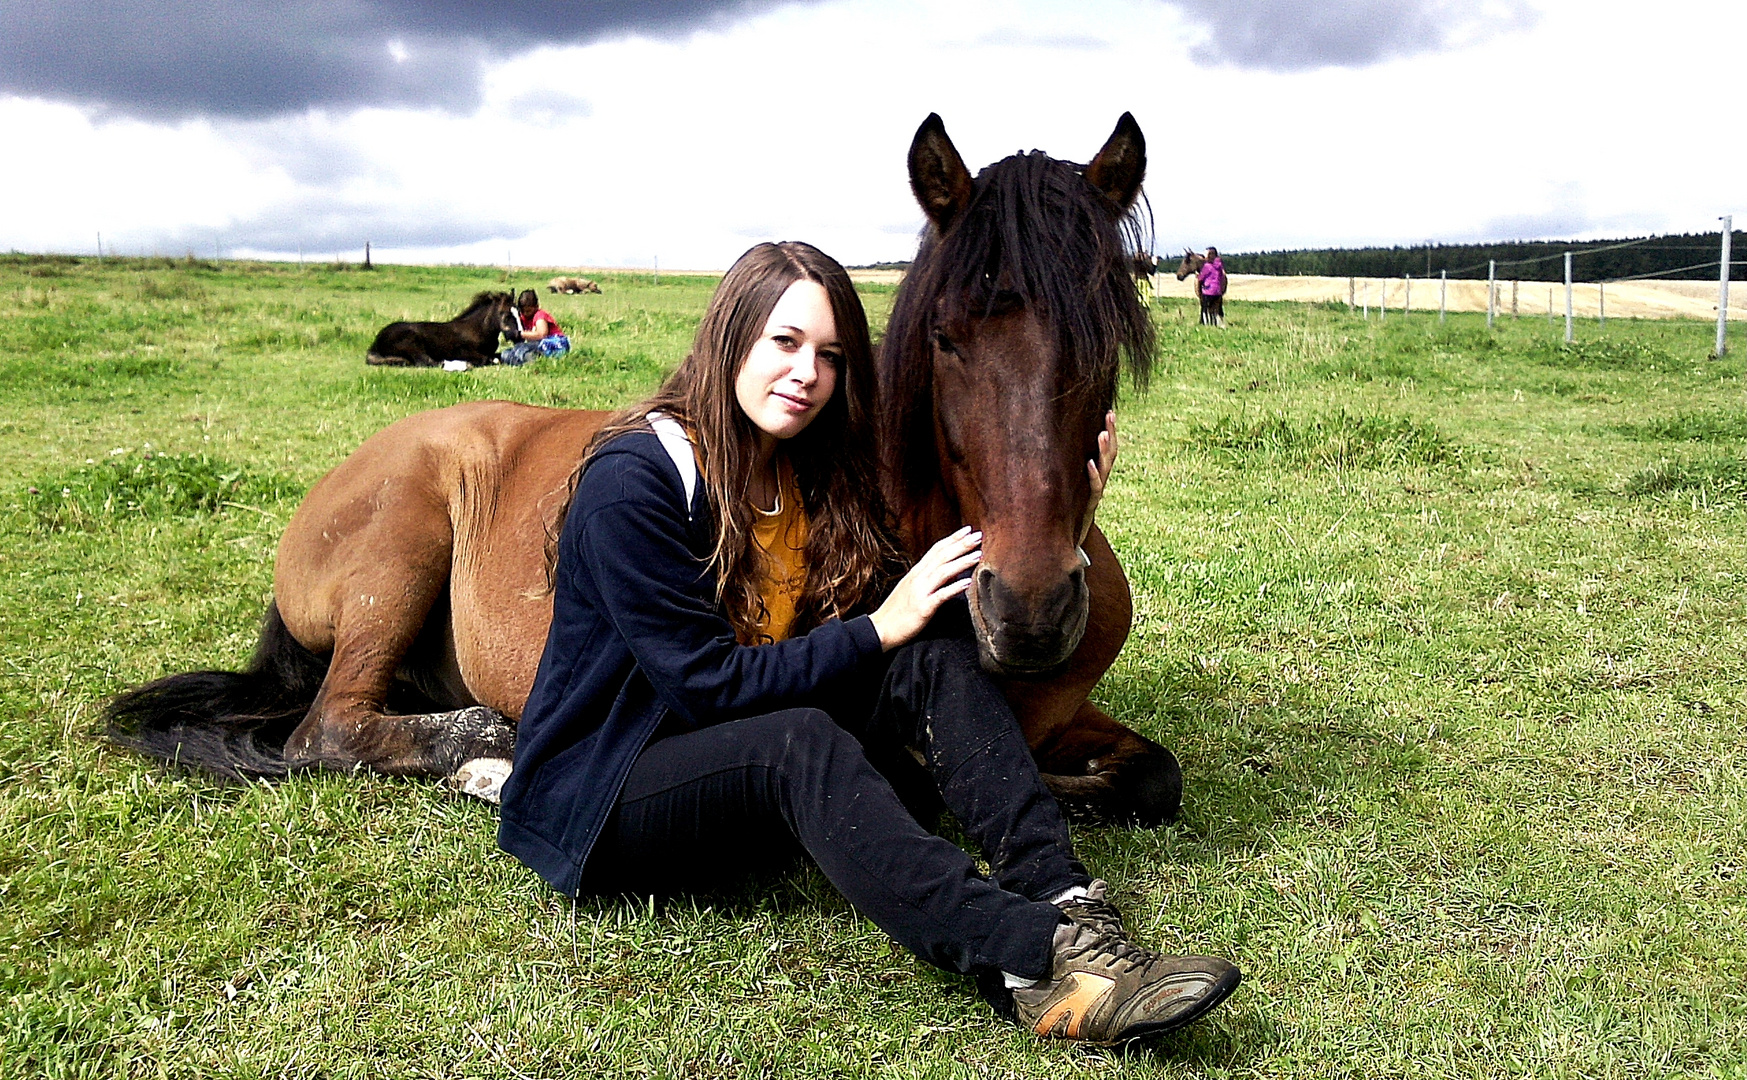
x=1445, y=625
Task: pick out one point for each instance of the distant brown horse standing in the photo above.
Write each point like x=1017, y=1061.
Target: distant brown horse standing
x=411, y=596
x=470, y=336
x=1212, y=307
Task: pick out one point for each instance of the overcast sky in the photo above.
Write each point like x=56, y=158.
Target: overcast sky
x=582, y=132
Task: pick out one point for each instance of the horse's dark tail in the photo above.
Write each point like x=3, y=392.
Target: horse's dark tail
x=233, y=724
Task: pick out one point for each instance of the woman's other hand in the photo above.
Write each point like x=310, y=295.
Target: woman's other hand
x=940, y=575
x=1099, y=470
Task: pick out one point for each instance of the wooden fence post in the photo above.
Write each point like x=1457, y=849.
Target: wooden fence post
x=1406, y=293
x=1352, y=288
x=1513, y=284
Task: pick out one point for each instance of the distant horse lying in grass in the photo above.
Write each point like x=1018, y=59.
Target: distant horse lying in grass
x=412, y=591
x=470, y=337
x=572, y=285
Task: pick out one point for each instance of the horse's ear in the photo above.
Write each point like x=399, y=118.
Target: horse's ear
x=1120, y=167
x=937, y=174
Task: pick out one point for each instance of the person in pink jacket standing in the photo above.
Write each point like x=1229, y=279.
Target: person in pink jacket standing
x=1210, y=287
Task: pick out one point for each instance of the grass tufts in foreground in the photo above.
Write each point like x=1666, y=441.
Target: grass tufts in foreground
x=1717, y=477
x=1446, y=633
x=1336, y=441
x=123, y=484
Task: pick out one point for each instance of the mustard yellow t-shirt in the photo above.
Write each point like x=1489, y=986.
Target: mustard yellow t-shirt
x=782, y=535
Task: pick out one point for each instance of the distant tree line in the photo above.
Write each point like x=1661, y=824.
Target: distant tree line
x=1656, y=254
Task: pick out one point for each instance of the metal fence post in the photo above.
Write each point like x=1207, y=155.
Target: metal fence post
x=1723, y=290
x=1601, y=303
x=1491, y=292
x=1443, y=292
x=1567, y=299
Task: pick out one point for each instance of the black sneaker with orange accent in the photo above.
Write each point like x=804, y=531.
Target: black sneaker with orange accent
x=1104, y=990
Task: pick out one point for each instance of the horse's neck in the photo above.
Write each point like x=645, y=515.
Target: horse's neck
x=925, y=520
x=484, y=321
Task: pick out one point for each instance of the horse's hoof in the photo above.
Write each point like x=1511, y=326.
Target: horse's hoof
x=1151, y=788
x=481, y=778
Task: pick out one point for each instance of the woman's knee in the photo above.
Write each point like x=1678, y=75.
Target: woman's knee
x=804, y=733
x=930, y=656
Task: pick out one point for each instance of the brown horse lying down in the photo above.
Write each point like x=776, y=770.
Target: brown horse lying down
x=572, y=285
x=470, y=336
x=411, y=596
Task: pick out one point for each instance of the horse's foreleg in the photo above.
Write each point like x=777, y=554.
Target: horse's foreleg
x=1095, y=760
x=1085, y=756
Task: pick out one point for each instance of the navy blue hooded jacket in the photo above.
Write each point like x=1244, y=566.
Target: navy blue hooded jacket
x=636, y=637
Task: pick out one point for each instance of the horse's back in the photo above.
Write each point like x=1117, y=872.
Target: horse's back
x=444, y=514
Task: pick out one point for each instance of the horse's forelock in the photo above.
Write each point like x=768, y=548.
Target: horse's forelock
x=1035, y=233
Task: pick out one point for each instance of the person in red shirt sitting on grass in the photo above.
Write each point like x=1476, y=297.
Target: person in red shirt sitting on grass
x=541, y=334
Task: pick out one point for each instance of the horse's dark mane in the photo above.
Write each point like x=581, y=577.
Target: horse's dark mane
x=1035, y=233
x=482, y=300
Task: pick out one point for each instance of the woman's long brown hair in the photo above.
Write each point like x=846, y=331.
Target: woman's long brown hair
x=852, y=556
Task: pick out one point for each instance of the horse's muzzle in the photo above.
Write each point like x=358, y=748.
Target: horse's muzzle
x=1028, y=635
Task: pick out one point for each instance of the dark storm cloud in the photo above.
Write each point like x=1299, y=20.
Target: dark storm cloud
x=175, y=58
x=1293, y=35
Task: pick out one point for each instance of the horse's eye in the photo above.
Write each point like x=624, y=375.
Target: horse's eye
x=944, y=343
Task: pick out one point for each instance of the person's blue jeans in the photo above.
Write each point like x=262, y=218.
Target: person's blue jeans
x=523, y=351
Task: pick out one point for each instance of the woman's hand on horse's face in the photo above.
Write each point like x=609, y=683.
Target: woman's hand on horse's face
x=938, y=576
x=1098, y=470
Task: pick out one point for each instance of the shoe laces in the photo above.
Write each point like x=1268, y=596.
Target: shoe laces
x=1094, y=911
x=1112, y=950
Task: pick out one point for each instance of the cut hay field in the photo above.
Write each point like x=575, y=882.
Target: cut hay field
x=1445, y=625
x=1516, y=300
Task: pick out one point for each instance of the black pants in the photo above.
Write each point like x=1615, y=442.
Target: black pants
x=703, y=806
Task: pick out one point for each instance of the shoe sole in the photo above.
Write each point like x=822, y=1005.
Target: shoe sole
x=1222, y=989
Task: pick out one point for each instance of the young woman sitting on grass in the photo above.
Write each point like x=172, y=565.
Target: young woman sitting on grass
x=736, y=666
x=541, y=334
